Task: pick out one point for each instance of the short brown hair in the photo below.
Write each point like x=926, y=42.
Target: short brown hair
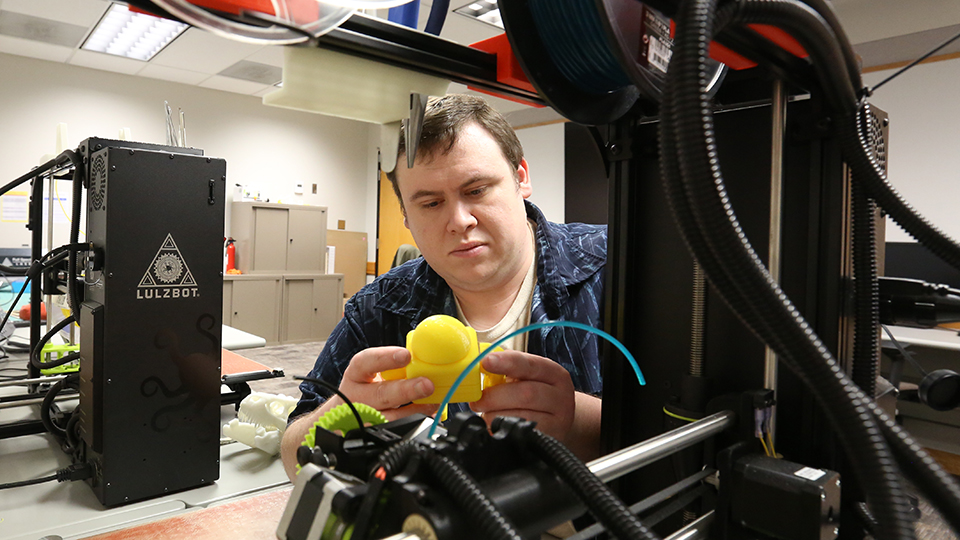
x=445, y=117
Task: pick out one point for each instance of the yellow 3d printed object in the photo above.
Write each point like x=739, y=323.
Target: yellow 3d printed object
x=440, y=348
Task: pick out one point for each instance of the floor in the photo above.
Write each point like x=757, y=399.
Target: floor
x=298, y=359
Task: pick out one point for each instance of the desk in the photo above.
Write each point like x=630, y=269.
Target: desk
x=938, y=431
x=71, y=511
x=233, y=339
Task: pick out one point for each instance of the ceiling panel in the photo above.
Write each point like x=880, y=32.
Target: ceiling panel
x=34, y=49
x=80, y=12
x=271, y=55
x=106, y=62
x=173, y=74
x=197, y=50
x=237, y=86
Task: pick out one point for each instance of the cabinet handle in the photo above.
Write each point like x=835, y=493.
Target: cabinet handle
x=234, y=313
x=291, y=240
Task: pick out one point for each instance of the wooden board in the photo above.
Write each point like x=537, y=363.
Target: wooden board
x=253, y=518
x=350, y=259
x=950, y=462
x=391, y=230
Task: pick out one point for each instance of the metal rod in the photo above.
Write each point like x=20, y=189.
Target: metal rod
x=779, y=122
x=37, y=401
x=697, y=530
x=644, y=453
x=37, y=380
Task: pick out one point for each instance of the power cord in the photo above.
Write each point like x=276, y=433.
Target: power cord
x=77, y=471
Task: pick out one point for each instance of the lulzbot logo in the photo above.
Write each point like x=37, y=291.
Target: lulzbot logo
x=168, y=275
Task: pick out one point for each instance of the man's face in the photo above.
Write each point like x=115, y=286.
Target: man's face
x=465, y=211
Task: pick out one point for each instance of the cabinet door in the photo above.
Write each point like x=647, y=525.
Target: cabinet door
x=300, y=320
x=307, y=229
x=328, y=303
x=256, y=308
x=228, y=303
x=270, y=239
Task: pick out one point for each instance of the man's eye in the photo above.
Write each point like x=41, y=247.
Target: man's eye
x=431, y=204
x=478, y=191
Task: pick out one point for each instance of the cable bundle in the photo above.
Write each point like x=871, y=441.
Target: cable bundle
x=694, y=184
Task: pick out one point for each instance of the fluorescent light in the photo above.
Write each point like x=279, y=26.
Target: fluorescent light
x=482, y=10
x=122, y=32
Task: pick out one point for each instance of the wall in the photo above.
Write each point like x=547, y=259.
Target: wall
x=269, y=148
x=924, y=161
x=544, y=151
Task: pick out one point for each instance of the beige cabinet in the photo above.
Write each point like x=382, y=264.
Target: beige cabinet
x=252, y=303
x=312, y=306
x=279, y=237
x=284, y=308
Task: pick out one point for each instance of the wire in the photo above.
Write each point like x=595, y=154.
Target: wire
x=334, y=389
x=766, y=450
x=77, y=471
x=908, y=356
x=56, y=192
x=915, y=62
x=677, y=416
x=34, y=481
x=524, y=330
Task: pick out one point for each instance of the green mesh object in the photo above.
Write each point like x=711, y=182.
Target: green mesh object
x=340, y=418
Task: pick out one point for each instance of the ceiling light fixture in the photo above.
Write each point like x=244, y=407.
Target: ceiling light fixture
x=483, y=10
x=122, y=32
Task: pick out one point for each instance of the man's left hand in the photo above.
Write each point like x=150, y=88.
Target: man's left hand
x=537, y=389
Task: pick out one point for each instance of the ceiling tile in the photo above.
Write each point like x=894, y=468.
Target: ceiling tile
x=173, y=74
x=106, y=62
x=80, y=12
x=197, y=50
x=237, y=86
x=34, y=49
x=271, y=55
x=254, y=72
x=39, y=29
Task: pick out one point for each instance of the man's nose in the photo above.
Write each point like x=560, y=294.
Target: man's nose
x=461, y=218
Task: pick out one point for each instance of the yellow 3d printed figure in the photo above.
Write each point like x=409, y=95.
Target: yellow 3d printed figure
x=440, y=348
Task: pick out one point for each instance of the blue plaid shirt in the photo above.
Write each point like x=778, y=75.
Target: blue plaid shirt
x=570, y=260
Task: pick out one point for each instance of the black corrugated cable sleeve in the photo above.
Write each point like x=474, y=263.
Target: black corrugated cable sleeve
x=472, y=501
x=592, y=492
x=922, y=469
x=866, y=292
x=72, y=293
x=697, y=158
x=855, y=141
x=35, y=356
x=846, y=49
x=395, y=458
x=937, y=485
x=811, y=31
x=70, y=381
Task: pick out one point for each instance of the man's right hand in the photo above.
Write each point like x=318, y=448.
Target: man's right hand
x=362, y=384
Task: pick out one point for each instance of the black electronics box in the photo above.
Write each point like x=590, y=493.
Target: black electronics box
x=151, y=319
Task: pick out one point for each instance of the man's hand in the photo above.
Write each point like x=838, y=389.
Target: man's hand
x=362, y=384
x=537, y=389
x=540, y=390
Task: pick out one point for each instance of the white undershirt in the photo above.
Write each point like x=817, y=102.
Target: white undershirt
x=518, y=315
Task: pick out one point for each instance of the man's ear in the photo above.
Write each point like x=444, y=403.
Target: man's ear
x=405, y=224
x=523, y=179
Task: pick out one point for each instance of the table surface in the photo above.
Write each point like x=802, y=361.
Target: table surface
x=71, y=510
x=934, y=338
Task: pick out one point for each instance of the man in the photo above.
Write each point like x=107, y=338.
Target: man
x=490, y=259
